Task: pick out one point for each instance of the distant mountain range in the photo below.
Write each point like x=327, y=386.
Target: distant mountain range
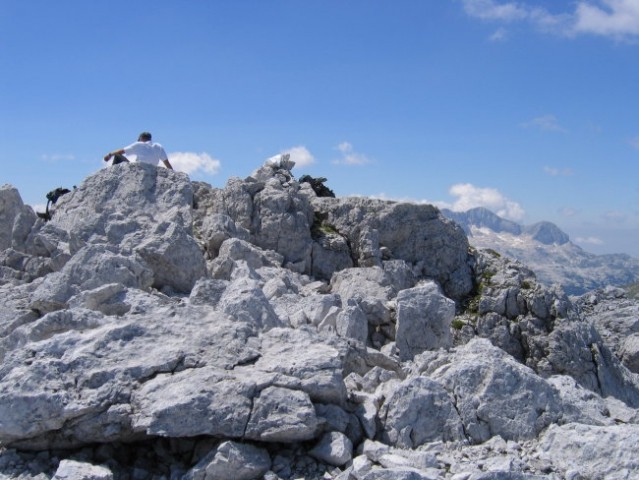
x=546, y=249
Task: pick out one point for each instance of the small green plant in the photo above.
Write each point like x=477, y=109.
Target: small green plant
x=486, y=277
x=493, y=253
x=457, y=324
x=526, y=285
x=321, y=227
x=632, y=291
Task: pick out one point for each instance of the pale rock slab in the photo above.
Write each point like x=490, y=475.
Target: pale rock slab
x=239, y=461
x=334, y=448
x=73, y=470
x=587, y=451
x=280, y=414
x=495, y=395
x=419, y=411
x=424, y=316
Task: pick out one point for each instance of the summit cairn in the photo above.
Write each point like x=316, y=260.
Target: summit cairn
x=161, y=328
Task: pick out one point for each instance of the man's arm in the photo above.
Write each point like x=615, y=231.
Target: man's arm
x=108, y=156
x=167, y=164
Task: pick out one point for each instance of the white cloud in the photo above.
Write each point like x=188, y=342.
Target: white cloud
x=545, y=123
x=300, y=155
x=491, y=10
x=615, y=18
x=58, y=157
x=470, y=196
x=350, y=156
x=500, y=35
x=568, y=212
x=614, y=216
x=558, y=172
x=610, y=18
x=589, y=240
x=190, y=162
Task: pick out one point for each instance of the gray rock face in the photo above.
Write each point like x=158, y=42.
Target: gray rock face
x=586, y=451
x=15, y=217
x=72, y=470
x=419, y=411
x=495, y=395
x=232, y=460
x=424, y=316
x=406, y=231
x=333, y=448
x=161, y=329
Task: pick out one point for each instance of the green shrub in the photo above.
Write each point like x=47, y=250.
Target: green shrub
x=457, y=324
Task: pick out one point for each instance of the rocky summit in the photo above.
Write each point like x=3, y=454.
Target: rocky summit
x=158, y=328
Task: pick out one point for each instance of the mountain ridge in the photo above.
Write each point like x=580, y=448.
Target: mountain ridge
x=163, y=328
x=548, y=251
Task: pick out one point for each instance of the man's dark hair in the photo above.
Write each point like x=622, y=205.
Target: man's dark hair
x=144, y=137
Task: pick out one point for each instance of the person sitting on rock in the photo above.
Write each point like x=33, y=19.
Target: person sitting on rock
x=144, y=150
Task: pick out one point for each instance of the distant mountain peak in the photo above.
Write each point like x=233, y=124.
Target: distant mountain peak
x=546, y=249
x=547, y=233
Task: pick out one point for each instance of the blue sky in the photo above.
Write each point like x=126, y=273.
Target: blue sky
x=528, y=108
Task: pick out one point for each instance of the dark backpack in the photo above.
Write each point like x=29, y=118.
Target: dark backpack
x=52, y=197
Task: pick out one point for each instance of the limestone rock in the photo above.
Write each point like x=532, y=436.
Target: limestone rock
x=419, y=411
x=73, y=470
x=16, y=219
x=630, y=353
x=170, y=329
x=495, y=395
x=369, y=287
x=408, y=231
x=280, y=414
x=586, y=451
x=333, y=448
x=231, y=459
x=424, y=316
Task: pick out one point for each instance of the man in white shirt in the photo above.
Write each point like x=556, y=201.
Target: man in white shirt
x=144, y=150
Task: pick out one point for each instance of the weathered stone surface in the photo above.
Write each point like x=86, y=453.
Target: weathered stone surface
x=230, y=459
x=495, y=395
x=200, y=402
x=630, y=353
x=73, y=470
x=280, y=414
x=586, y=451
x=352, y=323
x=244, y=300
x=16, y=218
x=91, y=267
x=424, y=316
x=418, y=411
x=408, y=231
x=333, y=448
x=369, y=287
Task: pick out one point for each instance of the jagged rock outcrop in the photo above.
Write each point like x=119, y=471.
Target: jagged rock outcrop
x=156, y=328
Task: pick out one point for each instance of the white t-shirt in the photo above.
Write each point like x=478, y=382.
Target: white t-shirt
x=146, y=152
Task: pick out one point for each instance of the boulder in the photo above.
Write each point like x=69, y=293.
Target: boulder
x=418, y=234
x=424, y=316
x=16, y=218
x=280, y=414
x=419, y=411
x=74, y=470
x=495, y=395
x=240, y=461
x=333, y=448
x=587, y=451
x=369, y=288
